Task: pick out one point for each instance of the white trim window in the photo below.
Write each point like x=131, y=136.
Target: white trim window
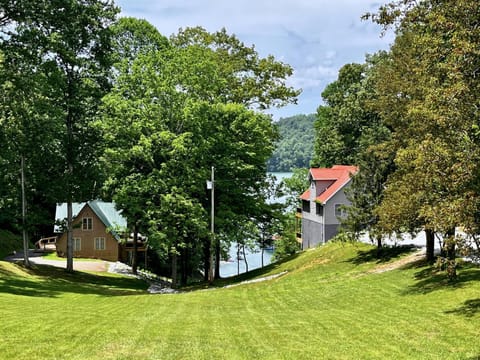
x=100, y=243
x=87, y=223
x=340, y=211
x=77, y=244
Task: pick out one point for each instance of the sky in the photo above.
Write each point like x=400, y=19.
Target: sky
x=315, y=37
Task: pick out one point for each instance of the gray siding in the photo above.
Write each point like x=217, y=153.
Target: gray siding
x=331, y=231
x=338, y=198
x=312, y=233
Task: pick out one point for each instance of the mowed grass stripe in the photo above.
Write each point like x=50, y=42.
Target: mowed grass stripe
x=328, y=305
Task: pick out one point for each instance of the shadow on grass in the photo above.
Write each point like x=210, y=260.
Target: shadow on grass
x=384, y=254
x=430, y=278
x=50, y=281
x=468, y=309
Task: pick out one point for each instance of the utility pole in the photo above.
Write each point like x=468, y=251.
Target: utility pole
x=211, y=187
x=26, y=260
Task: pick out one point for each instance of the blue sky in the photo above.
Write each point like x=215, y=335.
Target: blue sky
x=316, y=37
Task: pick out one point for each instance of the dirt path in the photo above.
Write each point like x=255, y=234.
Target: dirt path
x=416, y=256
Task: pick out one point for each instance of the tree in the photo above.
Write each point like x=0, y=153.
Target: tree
x=349, y=130
x=340, y=122
x=179, y=111
x=246, y=78
x=373, y=157
x=294, y=186
x=68, y=42
x=429, y=96
x=128, y=153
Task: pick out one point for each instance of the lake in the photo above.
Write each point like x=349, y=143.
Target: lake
x=254, y=259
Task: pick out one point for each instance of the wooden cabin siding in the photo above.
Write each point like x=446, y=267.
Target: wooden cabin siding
x=87, y=238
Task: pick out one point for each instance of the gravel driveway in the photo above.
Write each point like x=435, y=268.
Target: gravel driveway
x=36, y=258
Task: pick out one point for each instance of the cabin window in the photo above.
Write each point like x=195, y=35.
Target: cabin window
x=77, y=244
x=87, y=223
x=319, y=209
x=100, y=243
x=305, y=206
x=340, y=210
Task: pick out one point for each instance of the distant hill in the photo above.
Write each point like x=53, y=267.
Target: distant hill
x=295, y=147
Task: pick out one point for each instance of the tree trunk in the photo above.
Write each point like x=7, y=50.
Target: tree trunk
x=245, y=259
x=135, y=249
x=217, y=259
x=238, y=259
x=174, y=269
x=451, y=255
x=263, y=248
x=430, y=243
x=26, y=260
x=379, y=246
x=69, y=236
x=184, y=264
x=206, y=254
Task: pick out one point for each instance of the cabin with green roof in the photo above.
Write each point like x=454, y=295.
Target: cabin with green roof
x=98, y=232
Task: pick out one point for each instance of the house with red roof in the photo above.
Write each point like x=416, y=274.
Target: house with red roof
x=323, y=204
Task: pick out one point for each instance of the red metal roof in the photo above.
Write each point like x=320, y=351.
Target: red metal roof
x=339, y=174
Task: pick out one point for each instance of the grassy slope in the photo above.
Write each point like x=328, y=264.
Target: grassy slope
x=329, y=305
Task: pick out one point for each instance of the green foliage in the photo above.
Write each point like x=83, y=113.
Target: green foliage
x=294, y=148
x=349, y=130
x=174, y=113
x=347, y=125
x=294, y=186
x=9, y=242
x=285, y=246
x=428, y=94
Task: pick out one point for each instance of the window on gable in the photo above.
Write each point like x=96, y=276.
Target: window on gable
x=306, y=205
x=77, y=244
x=340, y=210
x=87, y=223
x=319, y=208
x=99, y=243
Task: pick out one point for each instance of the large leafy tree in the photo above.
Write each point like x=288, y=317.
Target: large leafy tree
x=340, y=121
x=68, y=43
x=430, y=99
x=349, y=130
x=27, y=155
x=131, y=38
x=178, y=112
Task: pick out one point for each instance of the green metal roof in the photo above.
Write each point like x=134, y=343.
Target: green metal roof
x=106, y=212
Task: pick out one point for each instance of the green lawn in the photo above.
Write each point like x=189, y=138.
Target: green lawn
x=330, y=305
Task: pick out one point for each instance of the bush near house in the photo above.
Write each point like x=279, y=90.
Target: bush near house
x=9, y=243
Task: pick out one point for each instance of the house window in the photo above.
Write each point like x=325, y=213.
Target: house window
x=319, y=208
x=305, y=206
x=87, y=223
x=340, y=210
x=77, y=244
x=100, y=243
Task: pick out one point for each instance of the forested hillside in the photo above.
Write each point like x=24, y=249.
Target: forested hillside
x=295, y=146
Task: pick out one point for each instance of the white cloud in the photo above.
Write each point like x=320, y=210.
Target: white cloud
x=315, y=37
